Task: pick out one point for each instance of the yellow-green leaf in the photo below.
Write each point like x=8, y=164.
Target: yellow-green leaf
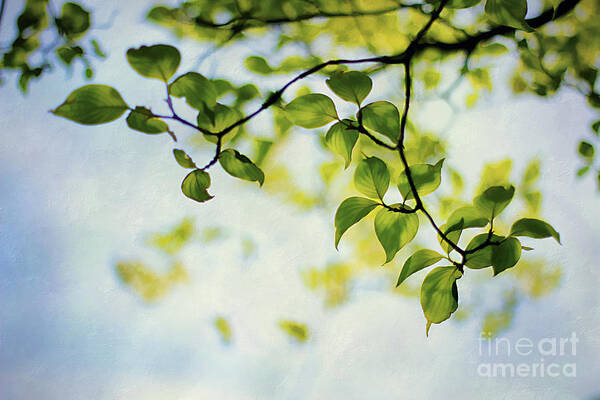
x=195, y=184
x=92, y=105
x=394, y=230
x=349, y=213
x=419, y=260
x=372, y=177
x=311, y=111
x=141, y=119
x=157, y=62
x=439, y=294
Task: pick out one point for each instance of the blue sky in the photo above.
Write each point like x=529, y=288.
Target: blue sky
x=74, y=200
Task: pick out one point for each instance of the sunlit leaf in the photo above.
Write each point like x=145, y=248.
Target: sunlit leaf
x=92, y=105
x=505, y=255
x=465, y=217
x=493, y=200
x=394, y=230
x=508, y=12
x=481, y=258
x=426, y=177
x=534, y=228
x=197, y=90
x=439, y=294
x=158, y=62
x=372, y=177
x=240, y=166
x=218, y=119
x=183, y=159
x=341, y=140
x=419, y=260
x=311, y=111
x=141, y=119
x=382, y=117
x=349, y=213
x=351, y=86
x=195, y=184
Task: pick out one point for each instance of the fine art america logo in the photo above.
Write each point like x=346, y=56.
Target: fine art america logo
x=526, y=358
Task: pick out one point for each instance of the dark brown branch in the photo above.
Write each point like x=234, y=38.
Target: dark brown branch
x=411, y=51
x=256, y=21
x=215, y=158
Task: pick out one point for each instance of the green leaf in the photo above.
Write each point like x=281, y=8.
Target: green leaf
x=427, y=179
x=217, y=119
x=351, y=86
x=349, y=213
x=493, y=200
x=465, y=217
x=92, y=105
x=439, y=294
x=508, y=12
x=372, y=178
x=158, y=62
x=258, y=65
x=382, y=117
x=240, y=166
x=341, y=140
x=394, y=230
x=97, y=49
x=197, y=90
x=420, y=259
x=195, y=184
x=453, y=234
x=141, y=119
x=311, y=111
x=183, y=159
x=261, y=149
x=534, y=228
x=74, y=20
x=482, y=258
x=596, y=127
x=68, y=53
x=586, y=149
x=582, y=171
x=505, y=255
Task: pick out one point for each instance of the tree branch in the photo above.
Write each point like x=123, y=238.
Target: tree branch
x=260, y=22
x=413, y=49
